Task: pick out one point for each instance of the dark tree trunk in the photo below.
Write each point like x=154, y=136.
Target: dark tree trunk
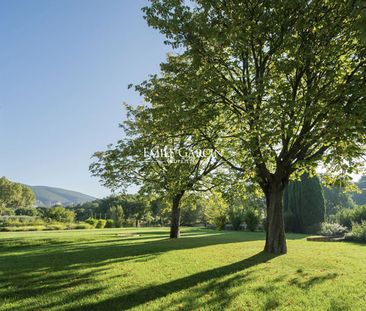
x=275, y=226
x=175, y=221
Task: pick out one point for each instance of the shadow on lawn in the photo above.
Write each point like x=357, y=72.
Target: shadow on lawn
x=148, y=294
x=56, y=266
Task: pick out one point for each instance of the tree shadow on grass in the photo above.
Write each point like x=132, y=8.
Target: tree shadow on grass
x=47, y=266
x=151, y=293
x=66, y=254
x=45, y=269
x=305, y=282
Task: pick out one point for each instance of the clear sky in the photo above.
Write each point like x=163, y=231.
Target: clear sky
x=64, y=70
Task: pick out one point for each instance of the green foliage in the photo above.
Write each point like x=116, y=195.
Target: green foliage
x=92, y=221
x=15, y=226
x=26, y=211
x=236, y=217
x=215, y=210
x=279, y=83
x=109, y=223
x=359, y=214
x=118, y=216
x=22, y=228
x=358, y=233
x=360, y=198
x=252, y=219
x=4, y=211
x=101, y=224
x=290, y=219
x=332, y=229
x=347, y=217
x=192, y=210
x=59, y=213
x=141, y=208
x=304, y=205
x=15, y=195
x=20, y=221
x=242, y=197
x=336, y=198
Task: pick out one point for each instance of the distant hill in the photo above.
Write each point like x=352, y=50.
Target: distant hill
x=49, y=196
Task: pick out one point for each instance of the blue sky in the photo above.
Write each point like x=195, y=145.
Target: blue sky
x=64, y=70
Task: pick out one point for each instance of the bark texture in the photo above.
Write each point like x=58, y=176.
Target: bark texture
x=275, y=226
x=175, y=221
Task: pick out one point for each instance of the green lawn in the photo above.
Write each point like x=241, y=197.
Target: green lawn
x=142, y=269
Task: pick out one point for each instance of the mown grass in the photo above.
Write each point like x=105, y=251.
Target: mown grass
x=118, y=269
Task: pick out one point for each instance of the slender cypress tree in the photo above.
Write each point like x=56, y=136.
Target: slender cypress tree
x=304, y=205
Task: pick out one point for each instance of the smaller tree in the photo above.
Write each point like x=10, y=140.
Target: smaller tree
x=216, y=210
x=304, y=205
x=336, y=199
x=15, y=195
x=59, y=213
x=117, y=215
x=252, y=219
x=164, y=163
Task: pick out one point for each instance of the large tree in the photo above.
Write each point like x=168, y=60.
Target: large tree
x=287, y=78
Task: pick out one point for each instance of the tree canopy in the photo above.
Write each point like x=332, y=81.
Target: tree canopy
x=14, y=195
x=286, y=78
x=276, y=88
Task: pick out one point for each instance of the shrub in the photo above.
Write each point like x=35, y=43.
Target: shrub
x=359, y=214
x=80, y=226
x=355, y=215
x=129, y=222
x=220, y=221
x=332, y=229
x=358, y=233
x=345, y=217
x=23, y=228
x=61, y=214
x=236, y=216
x=118, y=215
x=92, y=221
x=216, y=210
x=17, y=221
x=101, y=224
x=4, y=211
x=252, y=219
x=109, y=223
x=236, y=221
x=26, y=211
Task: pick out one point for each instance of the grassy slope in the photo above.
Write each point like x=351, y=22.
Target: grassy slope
x=104, y=270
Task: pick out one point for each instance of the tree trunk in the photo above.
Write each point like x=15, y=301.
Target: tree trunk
x=275, y=226
x=175, y=221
